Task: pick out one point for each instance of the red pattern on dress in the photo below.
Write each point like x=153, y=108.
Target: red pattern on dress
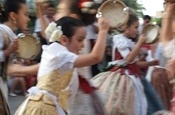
x=132, y=68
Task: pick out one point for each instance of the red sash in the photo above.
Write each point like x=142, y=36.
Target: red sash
x=85, y=86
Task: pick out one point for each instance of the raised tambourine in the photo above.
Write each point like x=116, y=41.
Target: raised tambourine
x=29, y=47
x=152, y=33
x=116, y=12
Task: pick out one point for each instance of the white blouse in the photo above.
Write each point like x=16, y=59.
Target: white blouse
x=56, y=56
x=159, y=54
x=123, y=45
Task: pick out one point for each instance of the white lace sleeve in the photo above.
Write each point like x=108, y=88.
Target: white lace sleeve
x=54, y=57
x=169, y=49
x=121, y=45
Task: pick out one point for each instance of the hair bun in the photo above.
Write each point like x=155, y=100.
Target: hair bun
x=89, y=6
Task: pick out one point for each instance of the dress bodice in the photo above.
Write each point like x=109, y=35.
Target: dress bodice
x=56, y=73
x=55, y=82
x=122, y=46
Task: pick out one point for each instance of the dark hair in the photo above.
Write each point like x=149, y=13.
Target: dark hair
x=69, y=25
x=147, y=17
x=8, y=7
x=132, y=19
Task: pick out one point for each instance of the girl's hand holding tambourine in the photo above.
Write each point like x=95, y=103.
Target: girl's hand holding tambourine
x=103, y=24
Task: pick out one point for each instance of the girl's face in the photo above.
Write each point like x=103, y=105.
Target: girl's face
x=132, y=30
x=22, y=17
x=77, y=41
x=62, y=10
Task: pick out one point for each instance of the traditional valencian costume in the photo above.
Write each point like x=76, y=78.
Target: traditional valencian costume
x=58, y=85
x=125, y=89
x=121, y=86
x=170, y=54
x=6, y=37
x=50, y=96
x=158, y=77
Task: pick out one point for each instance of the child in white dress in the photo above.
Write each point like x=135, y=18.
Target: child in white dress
x=168, y=39
x=58, y=81
x=123, y=86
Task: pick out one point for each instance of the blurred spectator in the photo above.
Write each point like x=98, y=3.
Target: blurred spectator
x=48, y=17
x=17, y=84
x=146, y=20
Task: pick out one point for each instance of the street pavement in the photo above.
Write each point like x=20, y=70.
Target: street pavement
x=15, y=102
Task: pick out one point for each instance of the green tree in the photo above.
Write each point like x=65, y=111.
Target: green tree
x=157, y=20
x=135, y=5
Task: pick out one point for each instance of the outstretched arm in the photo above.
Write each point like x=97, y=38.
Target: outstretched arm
x=20, y=70
x=166, y=31
x=143, y=64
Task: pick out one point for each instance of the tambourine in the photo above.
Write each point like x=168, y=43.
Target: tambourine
x=29, y=47
x=116, y=12
x=152, y=33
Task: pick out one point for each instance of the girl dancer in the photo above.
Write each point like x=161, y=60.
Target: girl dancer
x=121, y=84
x=57, y=81
x=83, y=101
x=168, y=39
x=13, y=14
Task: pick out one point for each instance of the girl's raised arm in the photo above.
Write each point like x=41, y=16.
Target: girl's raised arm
x=166, y=30
x=98, y=51
x=131, y=56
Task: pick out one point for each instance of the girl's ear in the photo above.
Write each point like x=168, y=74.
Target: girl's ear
x=12, y=16
x=64, y=40
x=126, y=29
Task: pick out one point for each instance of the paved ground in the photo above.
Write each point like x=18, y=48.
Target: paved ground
x=15, y=102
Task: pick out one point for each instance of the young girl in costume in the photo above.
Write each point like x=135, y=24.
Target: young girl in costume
x=57, y=80
x=121, y=85
x=168, y=40
x=157, y=75
x=83, y=103
x=167, y=34
x=13, y=14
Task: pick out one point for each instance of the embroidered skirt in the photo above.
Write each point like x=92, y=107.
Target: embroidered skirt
x=122, y=94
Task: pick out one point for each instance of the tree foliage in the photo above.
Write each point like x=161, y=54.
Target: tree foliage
x=135, y=5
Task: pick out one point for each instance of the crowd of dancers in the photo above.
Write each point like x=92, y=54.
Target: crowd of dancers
x=136, y=79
